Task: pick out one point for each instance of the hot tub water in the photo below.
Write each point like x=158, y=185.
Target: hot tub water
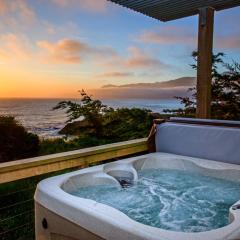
x=170, y=199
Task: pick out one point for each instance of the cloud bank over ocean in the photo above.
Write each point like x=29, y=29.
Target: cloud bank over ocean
x=139, y=93
x=158, y=90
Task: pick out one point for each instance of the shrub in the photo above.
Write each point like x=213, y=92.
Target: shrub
x=15, y=141
x=125, y=124
x=225, y=91
x=103, y=122
x=50, y=146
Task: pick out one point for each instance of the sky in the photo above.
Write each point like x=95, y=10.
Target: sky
x=52, y=48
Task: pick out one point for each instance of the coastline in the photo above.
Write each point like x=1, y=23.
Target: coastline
x=37, y=116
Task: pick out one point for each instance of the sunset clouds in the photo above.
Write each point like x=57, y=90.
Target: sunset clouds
x=89, y=5
x=169, y=35
x=72, y=51
x=17, y=12
x=172, y=35
x=141, y=59
x=14, y=48
x=75, y=51
x=20, y=8
x=89, y=43
x=230, y=42
x=115, y=75
x=66, y=50
x=136, y=59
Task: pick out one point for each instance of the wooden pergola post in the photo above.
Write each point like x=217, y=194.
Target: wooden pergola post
x=204, y=69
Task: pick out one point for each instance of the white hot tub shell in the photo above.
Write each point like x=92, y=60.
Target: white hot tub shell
x=60, y=215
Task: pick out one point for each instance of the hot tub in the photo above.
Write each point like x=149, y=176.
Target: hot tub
x=186, y=190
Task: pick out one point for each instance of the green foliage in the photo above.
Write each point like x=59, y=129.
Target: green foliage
x=99, y=125
x=225, y=92
x=91, y=110
x=125, y=124
x=50, y=146
x=15, y=141
x=105, y=123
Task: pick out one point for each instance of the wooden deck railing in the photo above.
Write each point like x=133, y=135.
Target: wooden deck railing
x=19, y=179
x=20, y=169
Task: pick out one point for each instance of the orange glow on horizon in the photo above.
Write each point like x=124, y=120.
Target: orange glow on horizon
x=28, y=84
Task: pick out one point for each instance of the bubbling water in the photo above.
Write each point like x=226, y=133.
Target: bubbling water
x=170, y=199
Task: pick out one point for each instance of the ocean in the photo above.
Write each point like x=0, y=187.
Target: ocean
x=37, y=116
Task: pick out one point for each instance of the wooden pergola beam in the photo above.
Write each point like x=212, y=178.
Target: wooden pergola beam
x=204, y=69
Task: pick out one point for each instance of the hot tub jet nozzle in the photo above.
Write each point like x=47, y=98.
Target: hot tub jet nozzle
x=236, y=207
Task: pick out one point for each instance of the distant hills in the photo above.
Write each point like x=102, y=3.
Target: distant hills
x=157, y=90
x=179, y=82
